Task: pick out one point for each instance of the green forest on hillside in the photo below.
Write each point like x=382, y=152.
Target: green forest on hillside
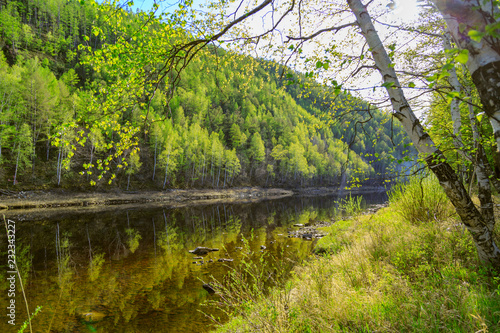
x=230, y=120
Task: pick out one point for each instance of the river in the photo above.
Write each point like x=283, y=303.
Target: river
x=128, y=269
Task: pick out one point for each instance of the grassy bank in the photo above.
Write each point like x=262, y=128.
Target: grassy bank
x=410, y=267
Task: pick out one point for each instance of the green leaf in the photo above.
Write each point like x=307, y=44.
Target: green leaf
x=461, y=27
x=447, y=66
x=411, y=85
x=475, y=35
x=479, y=116
x=463, y=56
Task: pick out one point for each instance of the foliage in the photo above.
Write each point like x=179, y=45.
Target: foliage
x=421, y=199
x=351, y=205
x=257, y=276
x=25, y=324
x=95, y=266
x=425, y=279
x=230, y=117
x=133, y=239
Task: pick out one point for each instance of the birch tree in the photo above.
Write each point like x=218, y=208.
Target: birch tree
x=474, y=26
x=483, y=63
x=470, y=216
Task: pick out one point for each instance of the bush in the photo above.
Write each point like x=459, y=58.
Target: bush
x=421, y=199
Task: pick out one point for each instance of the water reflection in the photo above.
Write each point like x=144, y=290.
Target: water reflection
x=130, y=270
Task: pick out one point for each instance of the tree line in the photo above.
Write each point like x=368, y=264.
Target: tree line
x=229, y=122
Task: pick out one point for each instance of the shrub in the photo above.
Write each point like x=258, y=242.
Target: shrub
x=421, y=199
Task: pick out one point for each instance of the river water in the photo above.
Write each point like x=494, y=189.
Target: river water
x=128, y=269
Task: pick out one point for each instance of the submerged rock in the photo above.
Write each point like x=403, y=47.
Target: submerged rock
x=224, y=260
x=208, y=287
x=201, y=251
x=91, y=316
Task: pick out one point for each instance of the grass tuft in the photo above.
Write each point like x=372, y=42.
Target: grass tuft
x=421, y=199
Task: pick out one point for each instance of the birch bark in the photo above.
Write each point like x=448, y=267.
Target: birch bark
x=463, y=16
x=487, y=250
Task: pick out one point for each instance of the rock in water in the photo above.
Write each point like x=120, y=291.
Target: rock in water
x=209, y=288
x=92, y=316
x=201, y=251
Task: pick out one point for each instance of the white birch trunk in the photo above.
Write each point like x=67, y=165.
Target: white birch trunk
x=477, y=138
x=17, y=162
x=479, y=162
x=455, y=103
x=154, y=166
x=462, y=16
x=454, y=189
x=166, y=171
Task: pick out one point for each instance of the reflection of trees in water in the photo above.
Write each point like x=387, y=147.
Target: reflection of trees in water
x=56, y=312
x=117, y=250
x=64, y=263
x=96, y=260
x=159, y=276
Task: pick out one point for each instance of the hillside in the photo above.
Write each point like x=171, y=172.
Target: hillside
x=230, y=120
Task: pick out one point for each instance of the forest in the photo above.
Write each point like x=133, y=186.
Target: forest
x=102, y=99
x=229, y=120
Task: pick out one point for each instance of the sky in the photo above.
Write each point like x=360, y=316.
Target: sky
x=402, y=11
x=405, y=10
x=165, y=5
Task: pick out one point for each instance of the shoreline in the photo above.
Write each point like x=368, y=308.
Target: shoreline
x=51, y=200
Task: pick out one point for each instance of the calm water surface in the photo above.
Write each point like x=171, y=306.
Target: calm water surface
x=129, y=269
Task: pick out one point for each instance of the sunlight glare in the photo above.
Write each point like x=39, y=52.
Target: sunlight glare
x=405, y=11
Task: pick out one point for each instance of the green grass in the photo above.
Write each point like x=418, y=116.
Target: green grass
x=383, y=273
x=421, y=199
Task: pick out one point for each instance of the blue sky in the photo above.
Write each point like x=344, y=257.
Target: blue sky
x=165, y=5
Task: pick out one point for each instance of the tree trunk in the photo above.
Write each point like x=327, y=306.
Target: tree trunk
x=487, y=250
x=17, y=162
x=154, y=166
x=477, y=141
x=166, y=171
x=59, y=164
x=455, y=102
x=225, y=176
x=462, y=16
x=480, y=161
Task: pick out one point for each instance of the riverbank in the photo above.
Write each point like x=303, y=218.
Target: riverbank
x=61, y=198
x=57, y=199
x=381, y=273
